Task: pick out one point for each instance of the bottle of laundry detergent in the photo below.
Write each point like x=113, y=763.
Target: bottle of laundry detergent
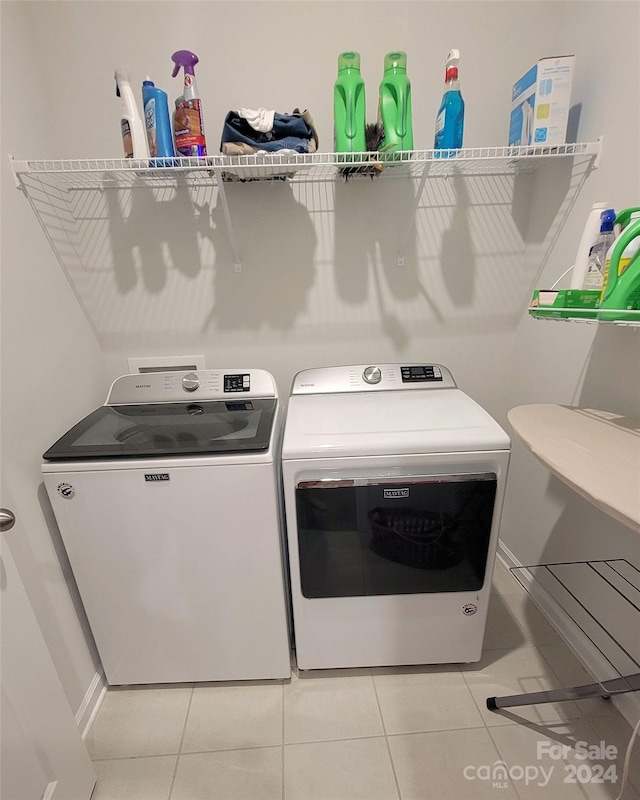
x=594, y=276
x=589, y=235
x=188, y=122
x=394, y=105
x=620, y=297
x=157, y=123
x=134, y=136
x=349, y=108
x=450, y=119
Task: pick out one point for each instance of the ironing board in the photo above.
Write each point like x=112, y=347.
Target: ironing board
x=597, y=454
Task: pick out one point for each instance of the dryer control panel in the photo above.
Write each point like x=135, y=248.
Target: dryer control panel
x=372, y=377
x=178, y=385
x=421, y=374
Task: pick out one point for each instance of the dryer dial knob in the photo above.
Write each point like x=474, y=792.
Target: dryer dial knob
x=190, y=382
x=372, y=375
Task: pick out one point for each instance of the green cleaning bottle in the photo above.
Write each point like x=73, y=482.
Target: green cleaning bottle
x=349, y=108
x=394, y=107
x=620, y=297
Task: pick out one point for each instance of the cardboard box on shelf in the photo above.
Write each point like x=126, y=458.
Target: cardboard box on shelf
x=540, y=103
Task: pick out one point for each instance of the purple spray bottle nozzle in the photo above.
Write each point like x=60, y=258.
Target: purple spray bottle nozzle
x=186, y=59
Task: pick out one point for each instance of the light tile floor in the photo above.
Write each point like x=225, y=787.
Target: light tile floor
x=412, y=733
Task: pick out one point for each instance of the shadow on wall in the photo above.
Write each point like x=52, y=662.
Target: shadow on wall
x=549, y=186
x=155, y=260
x=374, y=228
x=372, y=217
x=457, y=259
x=612, y=377
x=277, y=241
x=147, y=240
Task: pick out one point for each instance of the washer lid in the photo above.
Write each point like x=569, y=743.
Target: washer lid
x=388, y=423
x=239, y=425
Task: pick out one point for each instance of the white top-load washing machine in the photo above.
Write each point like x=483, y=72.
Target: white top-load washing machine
x=393, y=483
x=168, y=500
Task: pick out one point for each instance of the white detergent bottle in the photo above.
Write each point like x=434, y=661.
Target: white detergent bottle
x=589, y=234
x=134, y=134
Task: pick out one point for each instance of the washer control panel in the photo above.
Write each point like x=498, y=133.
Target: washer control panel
x=176, y=386
x=372, y=377
x=425, y=372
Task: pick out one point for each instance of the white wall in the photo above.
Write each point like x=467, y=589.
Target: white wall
x=319, y=283
x=52, y=367
x=580, y=364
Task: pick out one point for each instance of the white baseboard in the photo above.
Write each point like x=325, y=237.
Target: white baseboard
x=91, y=703
x=584, y=650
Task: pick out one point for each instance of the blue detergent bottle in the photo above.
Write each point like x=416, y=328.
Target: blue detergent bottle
x=450, y=119
x=157, y=123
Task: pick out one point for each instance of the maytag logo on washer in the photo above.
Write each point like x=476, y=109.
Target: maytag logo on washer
x=468, y=609
x=66, y=490
x=389, y=494
x=156, y=476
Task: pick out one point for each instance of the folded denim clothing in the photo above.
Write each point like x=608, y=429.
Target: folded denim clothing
x=290, y=132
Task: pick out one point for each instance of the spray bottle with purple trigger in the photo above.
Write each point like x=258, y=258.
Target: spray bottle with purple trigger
x=188, y=122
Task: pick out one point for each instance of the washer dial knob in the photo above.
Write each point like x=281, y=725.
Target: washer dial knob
x=372, y=375
x=190, y=382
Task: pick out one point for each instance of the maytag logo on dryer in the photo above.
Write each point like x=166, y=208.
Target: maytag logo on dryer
x=154, y=477
x=390, y=494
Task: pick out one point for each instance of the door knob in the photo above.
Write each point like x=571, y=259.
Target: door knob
x=7, y=519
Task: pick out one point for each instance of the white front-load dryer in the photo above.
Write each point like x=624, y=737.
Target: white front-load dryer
x=394, y=482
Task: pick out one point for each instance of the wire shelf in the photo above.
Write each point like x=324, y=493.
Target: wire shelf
x=599, y=600
x=589, y=320
x=122, y=173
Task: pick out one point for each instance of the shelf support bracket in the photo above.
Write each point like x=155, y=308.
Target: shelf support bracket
x=235, y=253
x=15, y=169
x=596, y=162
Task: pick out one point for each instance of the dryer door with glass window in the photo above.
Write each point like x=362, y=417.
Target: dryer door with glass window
x=380, y=536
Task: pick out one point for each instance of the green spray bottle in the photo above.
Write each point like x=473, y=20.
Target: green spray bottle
x=349, y=108
x=621, y=291
x=394, y=106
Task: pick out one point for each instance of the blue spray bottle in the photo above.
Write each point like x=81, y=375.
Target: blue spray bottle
x=450, y=119
x=188, y=123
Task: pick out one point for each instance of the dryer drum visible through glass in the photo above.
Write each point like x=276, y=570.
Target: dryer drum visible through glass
x=438, y=542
